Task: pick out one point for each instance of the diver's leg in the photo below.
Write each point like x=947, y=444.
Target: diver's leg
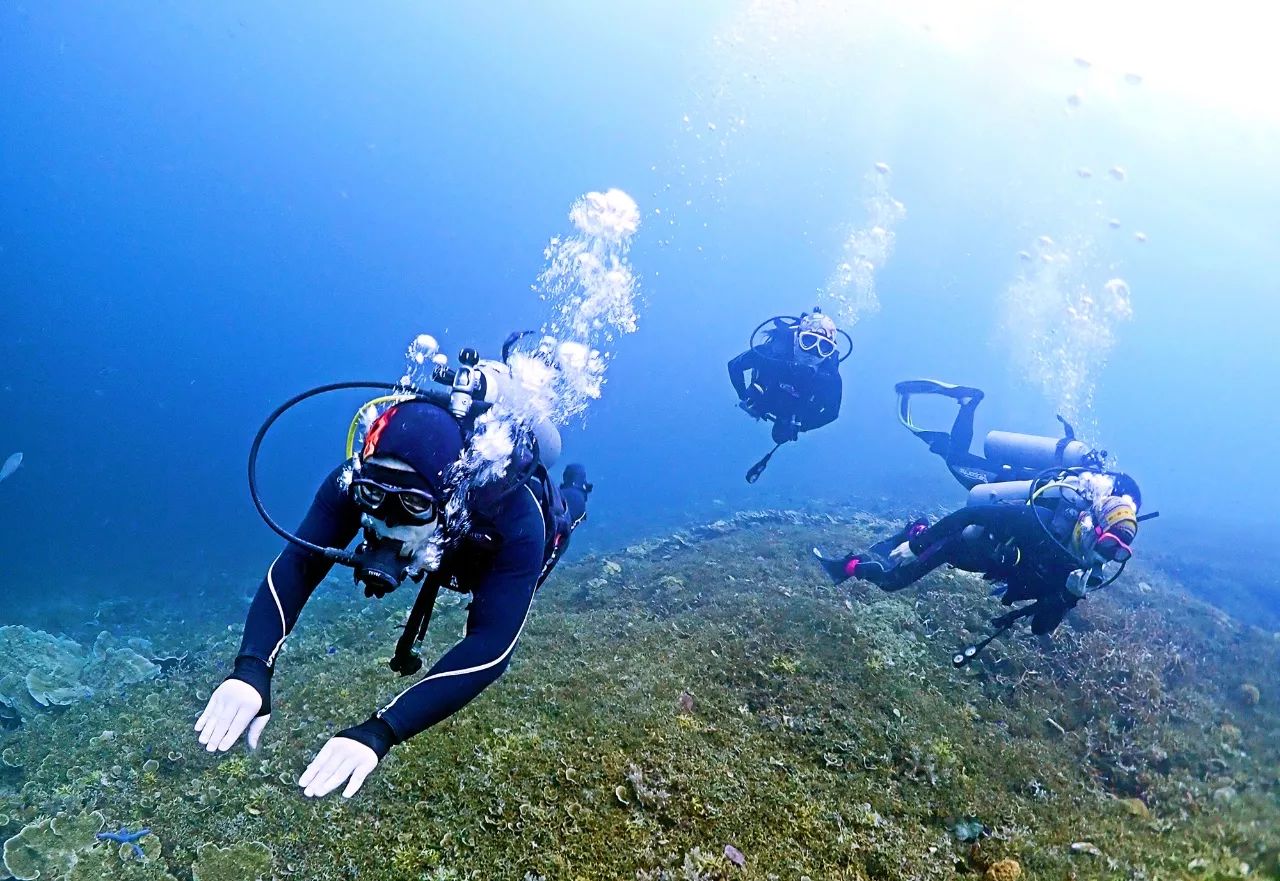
x=914, y=527
x=874, y=565
x=951, y=445
x=906, y=574
x=962, y=429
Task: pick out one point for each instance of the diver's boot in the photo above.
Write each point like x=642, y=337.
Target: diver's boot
x=842, y=570
x=839, y=571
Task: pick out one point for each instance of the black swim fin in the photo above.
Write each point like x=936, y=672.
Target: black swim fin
x=835, y=569
x=933, y=387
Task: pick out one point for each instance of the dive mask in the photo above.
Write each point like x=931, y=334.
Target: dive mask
x=812, y=342
x=1110, y=546
x=1114, y=526
x=372, y=497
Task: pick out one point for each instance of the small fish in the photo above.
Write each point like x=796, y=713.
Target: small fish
x=10, y=465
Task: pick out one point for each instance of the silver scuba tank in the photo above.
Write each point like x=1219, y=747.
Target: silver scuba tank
x=1060, y=508
x=1032, y=451
x=1008, y=492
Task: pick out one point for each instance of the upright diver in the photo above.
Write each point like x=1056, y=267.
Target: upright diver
x=1044, y=519
x=423, y=520
x=791, y=377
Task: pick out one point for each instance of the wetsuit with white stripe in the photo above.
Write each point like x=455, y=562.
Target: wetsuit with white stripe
x=502, y=588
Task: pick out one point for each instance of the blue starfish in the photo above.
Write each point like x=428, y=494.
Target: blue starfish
x=124, y=836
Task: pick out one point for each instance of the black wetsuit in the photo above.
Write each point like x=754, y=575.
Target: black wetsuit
x=575, y=499
x=794, y=396
x=502, y=584
x=969, y=469
x=1007, y=544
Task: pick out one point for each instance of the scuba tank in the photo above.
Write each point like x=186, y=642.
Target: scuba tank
x=1005, y=492
x=1059, y=502
x=1016, y=451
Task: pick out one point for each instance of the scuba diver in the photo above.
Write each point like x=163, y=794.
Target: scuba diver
x=429, y=515
x=790, y=376
x=1044, y=520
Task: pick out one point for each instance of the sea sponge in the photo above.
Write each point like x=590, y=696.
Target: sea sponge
x=1003, y=870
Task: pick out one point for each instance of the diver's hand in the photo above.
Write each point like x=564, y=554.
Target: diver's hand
x=232, y=708
x=751, y=407
x=1078, y=583
x=902, y=554
x=340, y=760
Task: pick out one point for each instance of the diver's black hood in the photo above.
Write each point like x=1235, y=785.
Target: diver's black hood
x=423, y=435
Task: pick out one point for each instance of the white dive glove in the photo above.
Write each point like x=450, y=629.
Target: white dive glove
x=1078, y=582
x=232, y=708
x=341, y=760
x=902, y=554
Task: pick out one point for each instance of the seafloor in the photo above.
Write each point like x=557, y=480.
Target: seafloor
x=700, y=706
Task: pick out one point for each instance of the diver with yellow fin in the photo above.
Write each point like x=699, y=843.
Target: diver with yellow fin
x=790, y=376
x=1045, y=520
x=433, y=508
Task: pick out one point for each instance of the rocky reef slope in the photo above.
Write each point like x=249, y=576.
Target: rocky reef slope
x=702, y=706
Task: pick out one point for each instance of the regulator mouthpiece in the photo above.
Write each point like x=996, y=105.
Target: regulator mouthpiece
x=379, y=566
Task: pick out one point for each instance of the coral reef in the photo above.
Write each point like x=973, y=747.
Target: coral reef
x=704, y=705
x=51, y=847
x=244, y=861
x=39, y=670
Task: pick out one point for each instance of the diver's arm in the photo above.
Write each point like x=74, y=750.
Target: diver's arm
x=575, y=498
x=1055, y=601
x=499, y=607
x=825, y=406
x=332, y=521
x=242, y=703
x=1001, y=519
x=739, y=367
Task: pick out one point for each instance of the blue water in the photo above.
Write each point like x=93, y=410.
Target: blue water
x=205, y=209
